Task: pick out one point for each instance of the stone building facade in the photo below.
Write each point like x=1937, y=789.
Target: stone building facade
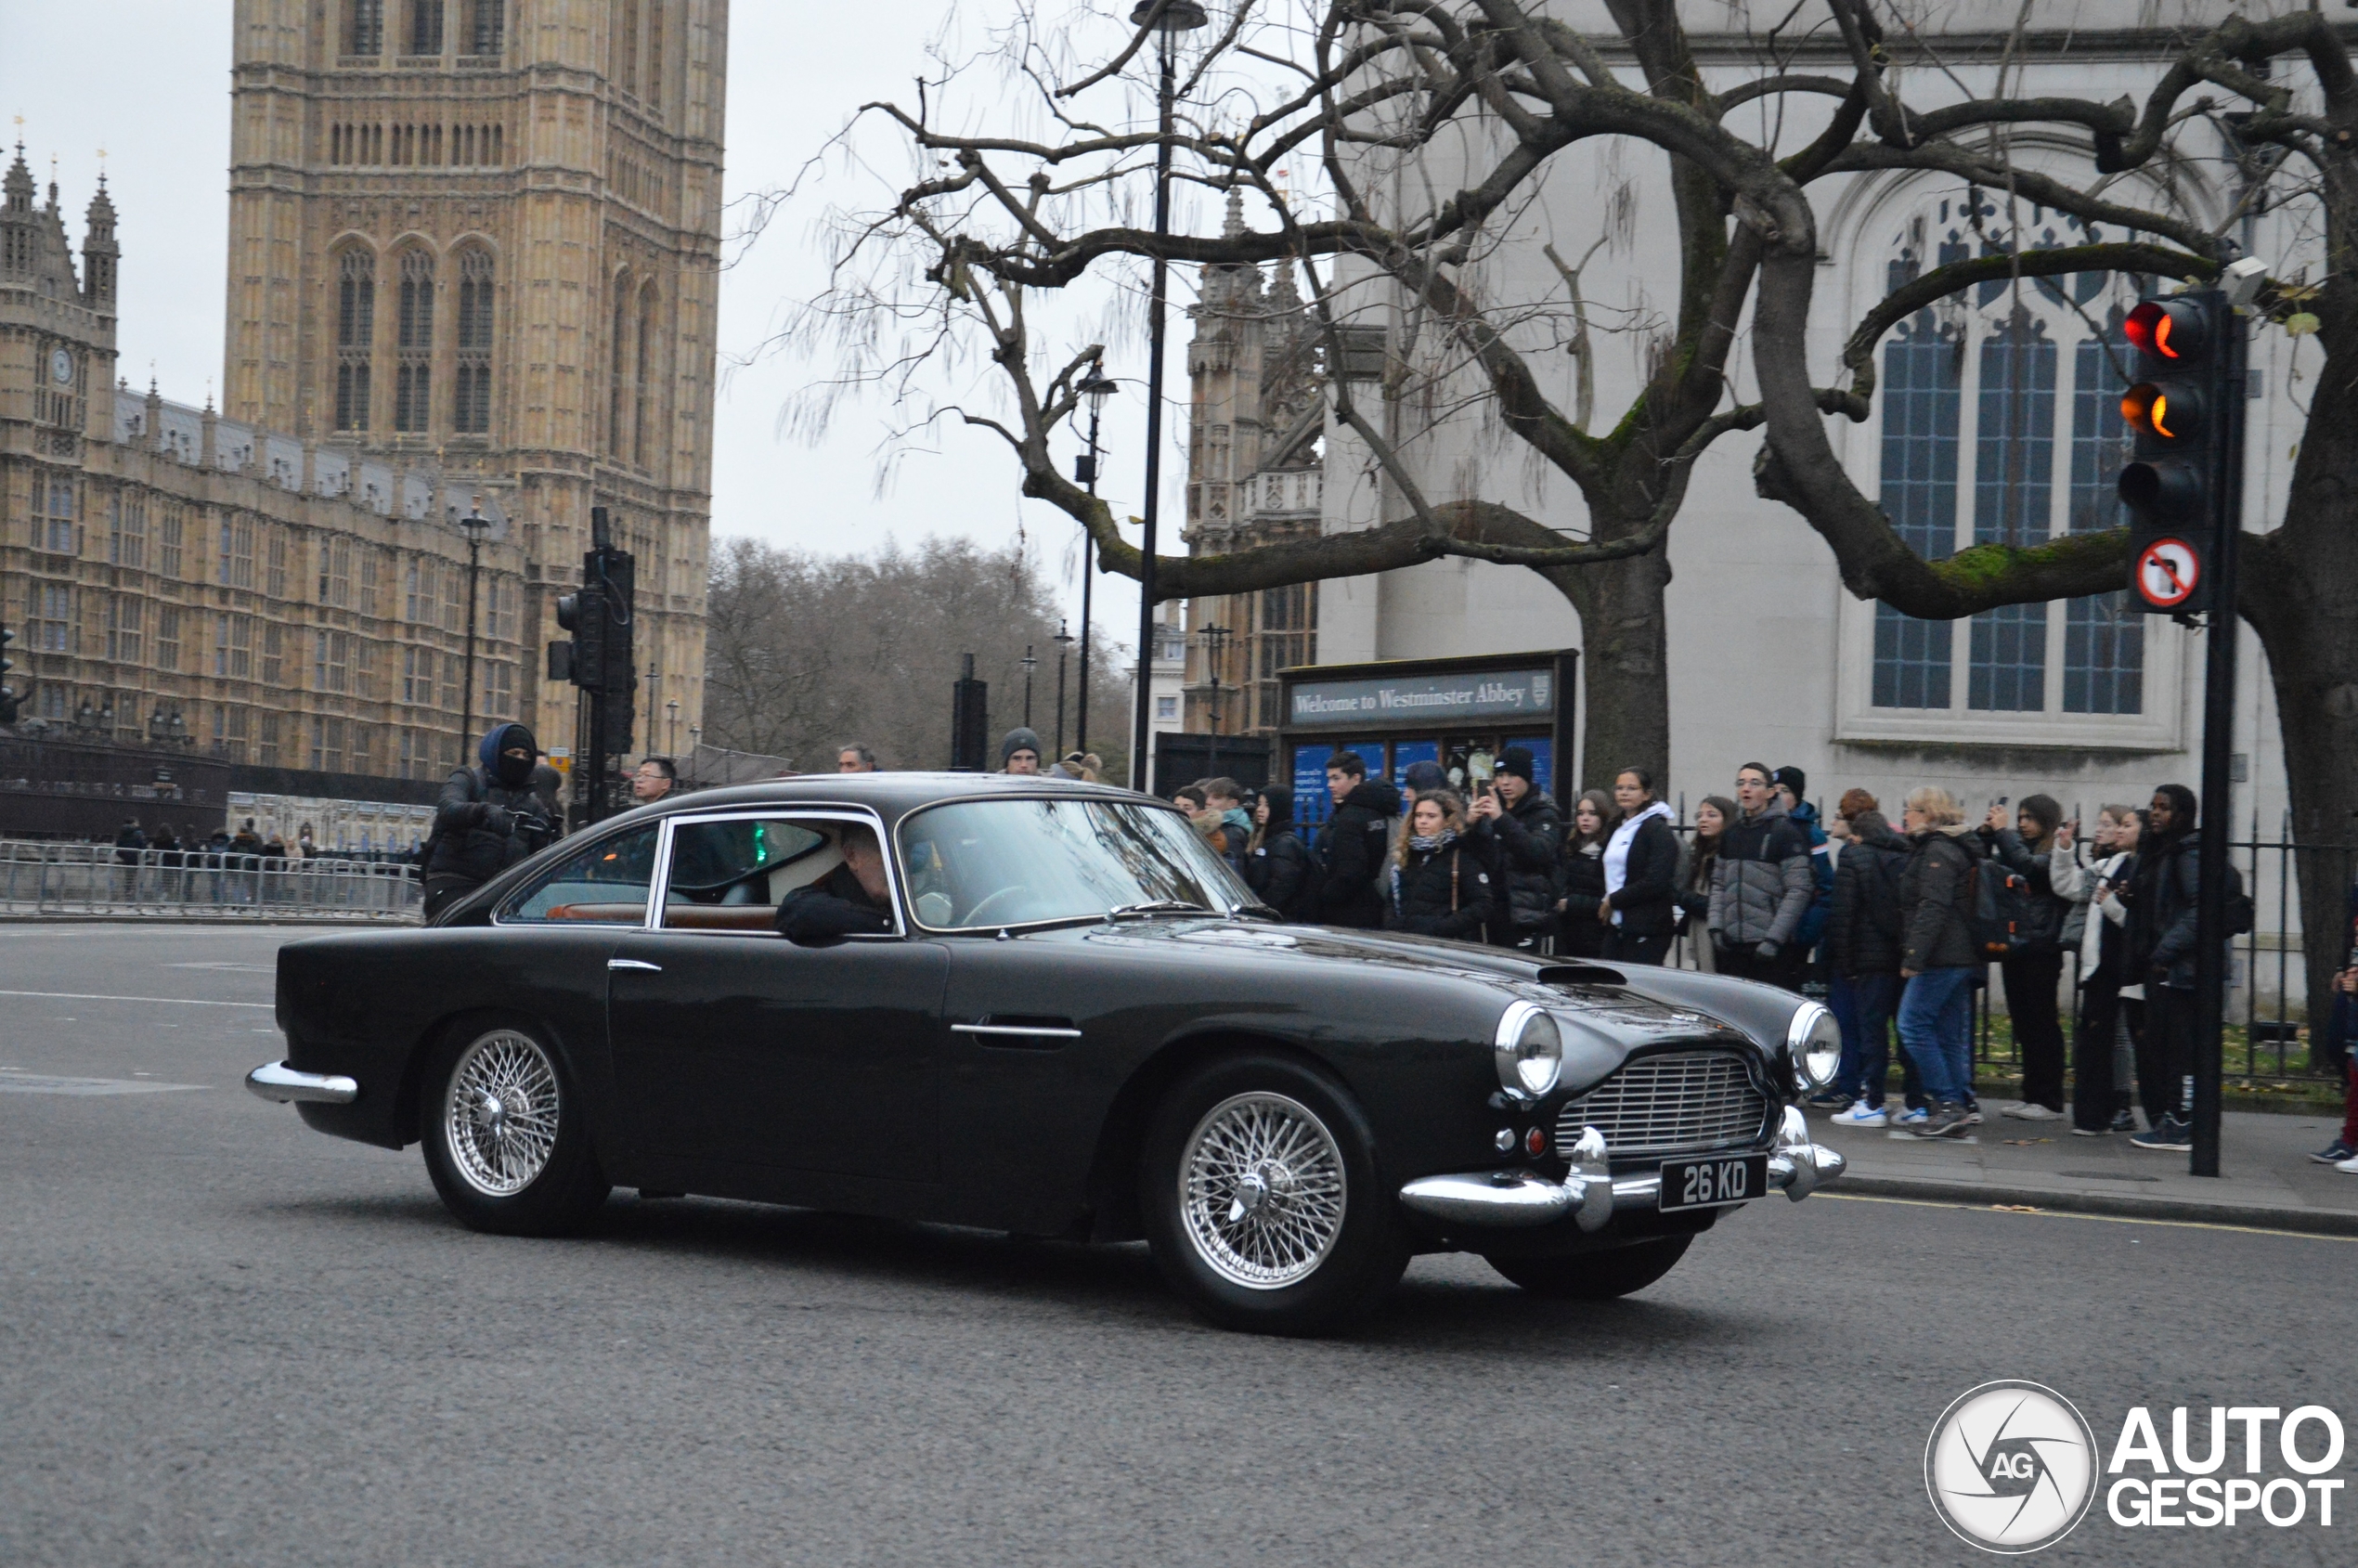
x=1256, y=415
x=178, y=577
x=480, y=237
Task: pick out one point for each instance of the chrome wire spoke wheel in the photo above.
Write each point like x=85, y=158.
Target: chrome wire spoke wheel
x=499, y=1115
x=1262, y=1190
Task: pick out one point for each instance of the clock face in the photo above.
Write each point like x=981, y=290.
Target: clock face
x=61, y=367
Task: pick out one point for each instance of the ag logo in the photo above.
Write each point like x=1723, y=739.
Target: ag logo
x=2010, y=1467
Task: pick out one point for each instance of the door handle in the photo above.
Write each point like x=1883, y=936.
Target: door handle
x=633, y=963
x=1036, y=1031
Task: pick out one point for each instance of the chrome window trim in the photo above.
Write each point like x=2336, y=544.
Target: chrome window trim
x=992, y=931
x=587, y=841
x=861, y=814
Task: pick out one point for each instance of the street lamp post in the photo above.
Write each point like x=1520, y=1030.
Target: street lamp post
x=1096, y=386
x=1030, y=664
x=1064, y=642
x=1216, y=642
x=476, y=525
x=671, y=718
x=1169, y=19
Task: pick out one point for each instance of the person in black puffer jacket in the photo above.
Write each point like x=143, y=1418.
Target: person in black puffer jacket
x=1440, y=882
x=2033, y=974
x=489, y=817
x=1641, y=873
x=1864, y=929
x=1581, y=931
x=1277, y=865
x=1353, y=844
x=1521, y=833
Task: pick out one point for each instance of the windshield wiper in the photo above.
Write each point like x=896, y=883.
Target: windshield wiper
x=1258, y=909
x=1158, y=906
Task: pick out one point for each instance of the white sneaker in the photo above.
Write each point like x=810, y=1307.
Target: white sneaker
x=2029, y=1110
x=1915, y=1117
x=1862, y=1115
x=2348, y=1167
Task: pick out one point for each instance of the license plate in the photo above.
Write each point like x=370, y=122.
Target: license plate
x=1713, y=1183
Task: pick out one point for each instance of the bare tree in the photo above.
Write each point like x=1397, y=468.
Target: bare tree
x=804, y=653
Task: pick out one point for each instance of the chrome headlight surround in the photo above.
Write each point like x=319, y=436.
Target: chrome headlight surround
x=1528, y=1050
x=1814, y=1042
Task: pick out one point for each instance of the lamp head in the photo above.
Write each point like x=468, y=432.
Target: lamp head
x=1177, y=16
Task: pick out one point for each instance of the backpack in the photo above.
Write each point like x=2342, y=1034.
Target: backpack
x=2002, y=908
x=1382, y=830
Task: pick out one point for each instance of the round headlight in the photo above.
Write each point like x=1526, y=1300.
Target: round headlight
x=1529, y=1050
x=1815, y=1041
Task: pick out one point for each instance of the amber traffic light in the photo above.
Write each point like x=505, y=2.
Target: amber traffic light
x=2172, y=411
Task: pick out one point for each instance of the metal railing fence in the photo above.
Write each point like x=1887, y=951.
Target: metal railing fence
x=43, y=877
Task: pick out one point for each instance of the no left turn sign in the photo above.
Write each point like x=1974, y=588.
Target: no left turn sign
x=2167, y=573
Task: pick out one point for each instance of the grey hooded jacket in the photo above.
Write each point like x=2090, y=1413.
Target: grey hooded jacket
x=1762, y=882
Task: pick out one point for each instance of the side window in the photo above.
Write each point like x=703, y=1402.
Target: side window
x=731, y=875
x=607, y=882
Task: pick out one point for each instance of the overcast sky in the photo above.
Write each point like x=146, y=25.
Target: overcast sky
x=147, y=80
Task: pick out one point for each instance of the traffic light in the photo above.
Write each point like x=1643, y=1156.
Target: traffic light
x=2181, y=413
x=7, y=693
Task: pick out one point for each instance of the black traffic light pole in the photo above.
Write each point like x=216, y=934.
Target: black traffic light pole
x=2224, y=624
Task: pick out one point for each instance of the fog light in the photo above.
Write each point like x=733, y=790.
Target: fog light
x=1536, y=1141
x=1504, y=1140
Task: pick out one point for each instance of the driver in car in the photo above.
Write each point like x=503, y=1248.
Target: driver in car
x=852, y=900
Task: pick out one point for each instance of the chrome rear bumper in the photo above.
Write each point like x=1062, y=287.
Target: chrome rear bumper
x=280, y=1083
x=1514, y=1198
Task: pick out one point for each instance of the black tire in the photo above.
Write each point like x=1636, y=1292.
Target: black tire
x=1323, y=1159
x=527, y=1168
x=1596, y=1277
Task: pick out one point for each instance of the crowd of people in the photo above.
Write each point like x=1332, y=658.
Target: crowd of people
x=1899, y=924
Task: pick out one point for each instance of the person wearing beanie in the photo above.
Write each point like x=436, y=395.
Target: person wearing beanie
x=1521, y=833
x=1421, y=780
x=1792, y=786
x=1019, y=753
x=489, y=817
x=2025, y=844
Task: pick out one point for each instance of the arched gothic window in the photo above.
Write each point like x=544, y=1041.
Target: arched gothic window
x=642, y=421
x=1999, y=350
x=413, y=370
x=471, y=406
x=617, y=377
x=355, y=333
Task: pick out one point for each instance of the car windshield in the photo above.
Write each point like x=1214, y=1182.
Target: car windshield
x=988, y=863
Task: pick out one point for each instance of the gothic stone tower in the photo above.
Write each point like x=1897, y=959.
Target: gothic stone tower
x=484, y=234
x=1254, y=418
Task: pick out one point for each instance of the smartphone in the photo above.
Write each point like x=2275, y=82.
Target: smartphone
x=2001, y=800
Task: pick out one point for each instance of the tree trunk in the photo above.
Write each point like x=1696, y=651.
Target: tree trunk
x=1625, y=667
x=2299, y=590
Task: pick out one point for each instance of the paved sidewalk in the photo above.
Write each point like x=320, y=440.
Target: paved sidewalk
x=2266, y=1176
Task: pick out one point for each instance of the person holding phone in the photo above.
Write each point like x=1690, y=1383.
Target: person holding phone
x=1517, y=830
x=2099, y=1096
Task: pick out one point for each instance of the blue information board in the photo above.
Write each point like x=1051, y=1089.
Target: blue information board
x=1408, y=753
x=1543, y=760
x=1311, y=805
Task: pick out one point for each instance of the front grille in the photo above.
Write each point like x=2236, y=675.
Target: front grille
x=1681, y=1102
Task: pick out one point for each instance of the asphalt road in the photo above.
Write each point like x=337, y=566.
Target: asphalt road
x=226, y=1338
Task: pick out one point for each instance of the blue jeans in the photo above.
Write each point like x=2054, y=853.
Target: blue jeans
x=1936, y=1029
x=1864, y=1011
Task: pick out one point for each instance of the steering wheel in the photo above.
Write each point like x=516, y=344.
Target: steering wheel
x=980, y=913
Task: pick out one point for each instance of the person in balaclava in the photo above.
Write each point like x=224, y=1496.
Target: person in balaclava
x=490, y=816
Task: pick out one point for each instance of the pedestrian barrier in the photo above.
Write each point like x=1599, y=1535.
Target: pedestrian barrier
x=39, y=878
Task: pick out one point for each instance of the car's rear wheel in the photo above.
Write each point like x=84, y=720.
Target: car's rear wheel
x=506, y=1141
x=1596, y=1277
x=1262, y=1199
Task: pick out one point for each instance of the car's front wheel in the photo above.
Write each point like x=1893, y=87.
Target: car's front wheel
x=1596, y=1277
x=1262, y=1199
x=506, y=1141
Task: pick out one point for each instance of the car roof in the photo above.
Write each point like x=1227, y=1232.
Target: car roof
x=890, y=795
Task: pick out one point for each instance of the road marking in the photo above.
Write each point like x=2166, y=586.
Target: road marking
x=2076, y=1214
x=233, y=968
x=39, y=1083
x=174, y=1000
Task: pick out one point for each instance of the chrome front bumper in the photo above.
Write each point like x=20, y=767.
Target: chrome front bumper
x=1590, y=1194
x=280, y=1083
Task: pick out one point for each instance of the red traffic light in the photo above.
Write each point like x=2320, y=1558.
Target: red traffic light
x=2167, y=328
x=2171, y=412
